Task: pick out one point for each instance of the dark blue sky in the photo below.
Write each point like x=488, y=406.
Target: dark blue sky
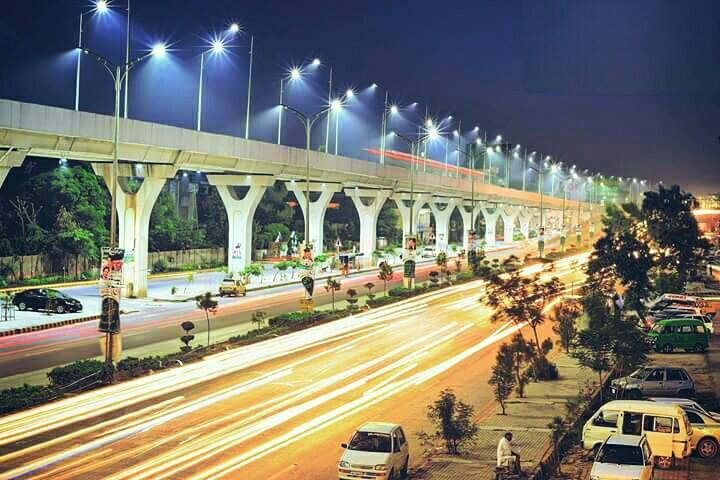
x=624, y=87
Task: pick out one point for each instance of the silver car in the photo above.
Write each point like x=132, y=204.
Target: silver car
x=654, y=381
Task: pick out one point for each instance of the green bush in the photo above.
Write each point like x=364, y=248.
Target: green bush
x=17, y=398
x=379, y=302
x=135, y=367
x=296, y=318
x=63, y=376
x=160, y=266
x=401, y=292
x=464, y=276
x=543, y=369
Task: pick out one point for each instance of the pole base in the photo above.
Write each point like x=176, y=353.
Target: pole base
x=307, y=305
x=408, y=282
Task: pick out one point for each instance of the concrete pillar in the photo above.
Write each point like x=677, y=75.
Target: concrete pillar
x=525, y=216
x=317, y=208
x=240, y=205
x=403, y=203
x=368, y=203
x=490, y=223
x=9, y=159
x=442, y=208
x=133, y=212
x=509, y=214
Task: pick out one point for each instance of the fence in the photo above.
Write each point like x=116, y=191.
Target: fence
x=43, y=265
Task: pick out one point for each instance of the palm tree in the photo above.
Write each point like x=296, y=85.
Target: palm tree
x=206, y=303
x=332, y=286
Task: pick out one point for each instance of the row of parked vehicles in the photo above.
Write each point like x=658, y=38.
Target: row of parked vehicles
x=677, y=321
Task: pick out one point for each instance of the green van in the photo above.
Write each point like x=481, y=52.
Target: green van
x=686, y=333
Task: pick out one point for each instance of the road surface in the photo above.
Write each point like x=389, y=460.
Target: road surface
x=277, y=409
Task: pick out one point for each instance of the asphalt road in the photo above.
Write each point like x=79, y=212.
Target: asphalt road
x=42, y=350
x=277, y=409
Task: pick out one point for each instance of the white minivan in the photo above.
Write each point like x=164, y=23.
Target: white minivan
x=665, y=426
x=377, y=450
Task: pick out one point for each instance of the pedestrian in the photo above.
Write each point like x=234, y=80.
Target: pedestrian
x=506, y=457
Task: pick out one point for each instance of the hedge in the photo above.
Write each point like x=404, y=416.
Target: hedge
x=64, y=376
x=17, y=398
x=401, y=292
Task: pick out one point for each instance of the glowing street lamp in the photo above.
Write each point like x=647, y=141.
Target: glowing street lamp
x=387, y=110
x=217, y=47
x=294, y=74
x=100, y=7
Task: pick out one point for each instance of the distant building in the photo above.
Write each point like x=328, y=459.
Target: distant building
x=707, y=214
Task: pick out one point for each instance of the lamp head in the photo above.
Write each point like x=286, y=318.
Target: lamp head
x=158, y=50
x=218, y=46
x=456, y=133
x=101, y=6
x=433, y=133
x=295, y=73
x=315, y=62
x=234, y=28
x=335, y=104
x=349, y=93
x=393, y=109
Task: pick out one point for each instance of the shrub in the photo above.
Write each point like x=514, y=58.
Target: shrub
x=160, y=266
x=135, y=367
x=64, y=376
x=401, y=292
x=454, y=422
x=379, y=302
x=17, y=398
x=464, y=276
x=434, y=277
x=543, y=369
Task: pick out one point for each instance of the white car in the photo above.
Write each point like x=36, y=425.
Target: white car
x=686, y=403
x=378, y=451
x=428, y=252
x=623, y=457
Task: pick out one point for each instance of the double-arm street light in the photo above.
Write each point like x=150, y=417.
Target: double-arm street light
x=308, y=121
x=117, y=74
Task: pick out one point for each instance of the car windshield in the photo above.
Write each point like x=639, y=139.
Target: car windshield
x=620, y=454
x=58, y=294
x=370, y=442
x=657, y=329
x=640, y=372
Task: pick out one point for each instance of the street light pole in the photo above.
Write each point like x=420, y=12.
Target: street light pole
x=383, y=129
x=327, y=123
x=200, y=90
x=280, y=111
x=77, y=72
x=249, y=89
x=127, y=59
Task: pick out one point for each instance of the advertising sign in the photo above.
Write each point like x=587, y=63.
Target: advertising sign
x=307, y=276
x=237, y=252
x=410, y=247
x=409, y=269
x=111, y=282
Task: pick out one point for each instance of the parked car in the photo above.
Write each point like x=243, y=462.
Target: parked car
x=658, y=380
x=665, y=426
x=686, y=333
x=667, y=300
x=706, y=432
x=652, y=318
x=623, y=457
x=232, y=287
x=376, y=450
x=428, y=252
x=46, y=299
x=686, y=403
x=707, y=319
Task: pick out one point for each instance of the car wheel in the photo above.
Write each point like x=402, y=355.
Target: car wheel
x=667, y=348
x=634, y=394
x=707, y=448
x=60, y=309
x=700, y=348
x=404, y=471
x=22, y=306
x=664, y=463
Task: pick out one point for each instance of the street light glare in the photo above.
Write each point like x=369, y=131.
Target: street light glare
x=349, y=93
x=159, y=50
x=476, y=129
x=218, y=46
x=429, y=123
x=393, y=109
x=234, y=28
x=316, y=62
x=101, y=6
x=374, y=85
x=335, y=105
x=456, y=133
x=295, y=73
x=478, y=141
x=498, y=138
x=433, y=133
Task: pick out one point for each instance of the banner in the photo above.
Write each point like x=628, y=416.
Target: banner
x=410, y=247
x=111, y=282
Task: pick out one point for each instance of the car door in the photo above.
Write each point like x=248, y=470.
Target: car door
x=659, y=433
x=673, y=381
x=647, y=472
x=36, y=299
x=404, y=447
x=396, y=454
x=653, y=383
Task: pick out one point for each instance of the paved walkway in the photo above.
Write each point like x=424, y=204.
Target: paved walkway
x=527, y=418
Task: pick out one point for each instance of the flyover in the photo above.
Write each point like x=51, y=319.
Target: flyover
x=242, y=169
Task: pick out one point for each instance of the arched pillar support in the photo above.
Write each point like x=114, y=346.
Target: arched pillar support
x=368, y=203
x=318, y=207
x=509, y=214
x=490, y=223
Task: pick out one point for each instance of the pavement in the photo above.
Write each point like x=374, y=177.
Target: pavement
x=274, y=409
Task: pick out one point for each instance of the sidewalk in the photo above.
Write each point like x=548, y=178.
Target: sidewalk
x=527, y=419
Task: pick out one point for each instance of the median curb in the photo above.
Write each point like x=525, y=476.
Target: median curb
x=59, y=323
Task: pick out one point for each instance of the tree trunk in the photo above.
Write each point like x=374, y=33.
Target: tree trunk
x=601, y=385
x=537, y=339
x=207, y=317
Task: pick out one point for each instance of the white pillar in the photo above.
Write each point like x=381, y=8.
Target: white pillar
x=509, y=214
x=490, y=223
x=368, y=204
x=240, y=212
x=442, y=209
x=317, y=208
x=402, y=200
x=134, y=212
x=525, y=217
x=8, y=160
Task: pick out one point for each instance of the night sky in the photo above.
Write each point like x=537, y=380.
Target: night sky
x=622, y=87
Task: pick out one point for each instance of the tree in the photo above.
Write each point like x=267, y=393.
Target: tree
x=565, y=319
x=453, y=420
x=212, y=218
x=71, y=239
x=503, y=377
x=389, y=223
x=258, y=318
x=674, y=230
x=522, y=354
x=169, y=230
x=592, y=350
x=206, y=303
x=385, y=273
x=370, y=286
x=441, y=260
x=332, y=286
x=187, y=338
x=558, y=429
x=352, y=301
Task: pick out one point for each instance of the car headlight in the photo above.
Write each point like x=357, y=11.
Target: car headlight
x=344, y=464
x=381, y=466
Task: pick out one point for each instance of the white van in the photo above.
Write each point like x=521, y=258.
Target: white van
x=666, y=427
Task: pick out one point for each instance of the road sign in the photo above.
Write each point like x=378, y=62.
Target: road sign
x=409, y=269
